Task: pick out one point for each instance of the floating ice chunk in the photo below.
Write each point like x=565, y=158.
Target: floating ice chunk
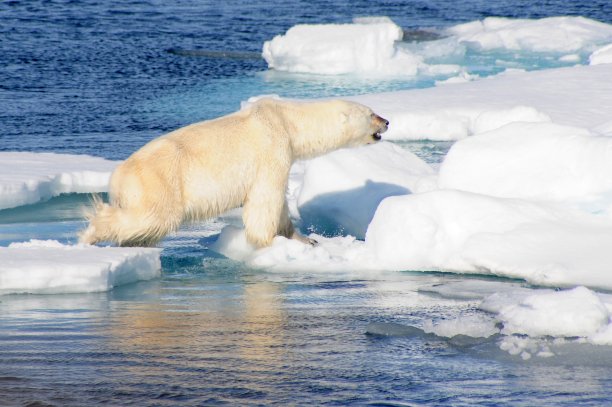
x=27, y=178
x=49, y=267
x=463, y=232
x=541, y=161
x=553, y=34
x=341, y=190
x=577, y=312
x=534, y=322
x=367, y=46
x=602, y=55
x=475, y=326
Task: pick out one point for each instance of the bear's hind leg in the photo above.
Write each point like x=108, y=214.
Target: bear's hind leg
x=128, y=226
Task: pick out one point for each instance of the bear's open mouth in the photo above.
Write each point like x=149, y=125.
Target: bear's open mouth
x=377, y=136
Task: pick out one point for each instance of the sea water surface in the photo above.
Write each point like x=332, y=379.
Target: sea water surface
x=103, y=78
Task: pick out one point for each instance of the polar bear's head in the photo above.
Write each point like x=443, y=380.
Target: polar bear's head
x=316, y=128
x=361, y=125
x=324, y=126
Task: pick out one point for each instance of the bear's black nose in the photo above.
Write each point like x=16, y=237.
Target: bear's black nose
x=387, y=122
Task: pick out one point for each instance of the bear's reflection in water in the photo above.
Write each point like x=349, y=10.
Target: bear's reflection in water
x=236, y=331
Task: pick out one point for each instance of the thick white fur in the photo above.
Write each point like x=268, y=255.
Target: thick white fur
x=202, y=170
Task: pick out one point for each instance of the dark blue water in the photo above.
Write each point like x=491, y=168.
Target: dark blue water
x=103, y=78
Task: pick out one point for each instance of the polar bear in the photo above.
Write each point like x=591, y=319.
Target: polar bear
x=243, y=159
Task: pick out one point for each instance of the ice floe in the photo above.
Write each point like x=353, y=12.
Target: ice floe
x=573, y=313
x=449, y=230
x=27, y=178
x=50, y=267
x=366, y=46
x=530, y=322
x=578, y=96
x=553, y=34
x=374, y=46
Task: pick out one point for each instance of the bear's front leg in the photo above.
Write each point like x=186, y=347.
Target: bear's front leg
x=264, y=203
x=287, y=229
x=265, y=213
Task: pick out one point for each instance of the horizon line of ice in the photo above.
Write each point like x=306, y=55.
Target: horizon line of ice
x=27, y=178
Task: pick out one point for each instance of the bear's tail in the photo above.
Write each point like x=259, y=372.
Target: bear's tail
x=124, y=227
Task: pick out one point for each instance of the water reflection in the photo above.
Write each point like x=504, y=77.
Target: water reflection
x=221, y=334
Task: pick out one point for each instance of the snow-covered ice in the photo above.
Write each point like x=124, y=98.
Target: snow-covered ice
x=339, y=194
x=553, y=34
x=449, y=230
x=27, y=178
x=577, y=312
x=366, y=46
x=50, y=267
x=529, y=322
x=374, y=46
x=541, y=161
x=578, y=96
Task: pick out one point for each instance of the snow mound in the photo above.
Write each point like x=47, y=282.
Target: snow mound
x=49, y=267
x=340, y=191
x=27, y=178
x=542, y=243
x=602, y=55
x=541, y=161
x=553, y=34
